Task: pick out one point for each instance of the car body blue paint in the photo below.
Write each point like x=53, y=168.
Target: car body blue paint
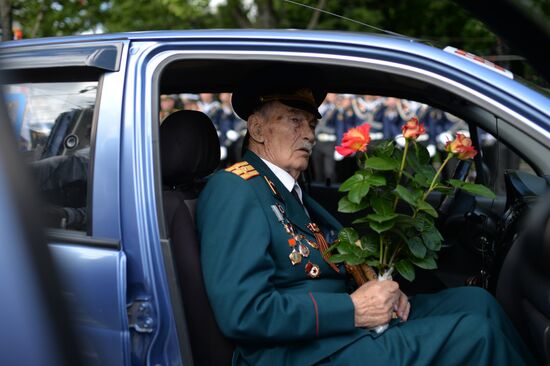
x=95, y=290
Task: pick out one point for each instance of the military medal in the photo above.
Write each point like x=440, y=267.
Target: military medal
x=312, y=270
x=312, y=244
x=295, y=257
x=304, y=251
x=277, y=213
x=289, y=229
x=299, y=243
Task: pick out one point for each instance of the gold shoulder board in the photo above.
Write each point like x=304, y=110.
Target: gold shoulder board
x=243, y=169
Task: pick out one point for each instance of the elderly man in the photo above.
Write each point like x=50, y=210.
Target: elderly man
x=275, y=295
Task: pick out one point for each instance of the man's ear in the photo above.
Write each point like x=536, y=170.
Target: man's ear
x=255, y=128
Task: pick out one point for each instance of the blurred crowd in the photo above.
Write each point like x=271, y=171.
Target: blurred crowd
x=340, y=112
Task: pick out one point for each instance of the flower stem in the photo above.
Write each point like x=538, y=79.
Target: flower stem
x=403, y=160
x=434, y=181
x=394, y=255
x=401, y=168
x=381, y=256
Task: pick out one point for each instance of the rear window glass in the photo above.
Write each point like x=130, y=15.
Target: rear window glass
x=53, y=124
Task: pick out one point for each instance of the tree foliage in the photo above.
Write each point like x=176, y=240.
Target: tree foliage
x=44, y=18
x=440, y=23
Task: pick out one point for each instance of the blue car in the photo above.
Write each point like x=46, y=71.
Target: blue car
x=85, y=114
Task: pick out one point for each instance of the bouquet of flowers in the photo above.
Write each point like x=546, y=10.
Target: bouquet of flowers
x=383, y=237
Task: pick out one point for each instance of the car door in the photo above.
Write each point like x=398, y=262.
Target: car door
x=64, y=101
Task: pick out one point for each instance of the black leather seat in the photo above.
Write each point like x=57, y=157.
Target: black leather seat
x=190, y=151
x=523, y=287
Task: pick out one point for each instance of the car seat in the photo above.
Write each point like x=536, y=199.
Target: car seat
x=190, y=151
x=523, y=287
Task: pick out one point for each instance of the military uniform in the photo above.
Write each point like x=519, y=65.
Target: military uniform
x=287, y=309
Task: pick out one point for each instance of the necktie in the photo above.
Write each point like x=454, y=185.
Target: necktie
x=296, y=193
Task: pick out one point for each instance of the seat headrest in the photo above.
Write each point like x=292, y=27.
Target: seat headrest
x=189, y=148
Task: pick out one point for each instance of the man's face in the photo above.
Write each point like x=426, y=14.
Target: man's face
x=288, y=137
x=207, y=97
x=167, y=104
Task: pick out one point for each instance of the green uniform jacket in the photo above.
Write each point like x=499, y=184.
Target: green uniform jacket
x=271, y=308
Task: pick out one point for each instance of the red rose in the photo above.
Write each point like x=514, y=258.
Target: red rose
x=412, y=129
x=461, y=147
x=356, y=139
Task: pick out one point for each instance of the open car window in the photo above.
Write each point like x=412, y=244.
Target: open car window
x=385, y=97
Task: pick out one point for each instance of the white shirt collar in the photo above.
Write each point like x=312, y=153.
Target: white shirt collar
x=284, y=176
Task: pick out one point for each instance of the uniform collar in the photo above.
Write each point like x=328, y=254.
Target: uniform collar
x=286, y=179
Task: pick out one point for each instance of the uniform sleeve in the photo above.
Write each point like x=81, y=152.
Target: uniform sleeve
x=238, y=271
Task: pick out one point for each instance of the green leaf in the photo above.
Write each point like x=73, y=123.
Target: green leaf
x=381, y=163
x=384, y=148
x=344, y=248
x=348, y=235
x=477, y=189
x=416, y=247
x=360, y=220
x=426, y=171
x=370, y=244
x=432, y=239
x=421, y=153
x=373, y=262
x=346, y=206
x=376, y=180
x=426, y=207
x=382, y=206
x=358, y=191
x=339, y=258
x=405, y=269
x=397, y=155
x=380, y=227
x=422, y=180
x=381, y=218
x=358, y=185
x=353, y=260
x=425, y=263
x=406, y=195
x=405, y=221
x=443, y=189
x=351, y=182
x=424, y=223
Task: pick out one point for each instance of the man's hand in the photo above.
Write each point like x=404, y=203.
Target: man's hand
x=375, y=302
x=403, y=306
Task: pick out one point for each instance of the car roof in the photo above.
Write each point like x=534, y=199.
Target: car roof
x=416, y=52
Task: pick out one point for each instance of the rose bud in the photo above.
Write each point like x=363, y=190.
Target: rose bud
x=356, y=139
x=461, y=147
x=412, y=129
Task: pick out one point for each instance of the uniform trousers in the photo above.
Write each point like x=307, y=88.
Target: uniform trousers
x=459, y=326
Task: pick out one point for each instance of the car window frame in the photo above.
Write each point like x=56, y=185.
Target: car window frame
x=71, y=236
